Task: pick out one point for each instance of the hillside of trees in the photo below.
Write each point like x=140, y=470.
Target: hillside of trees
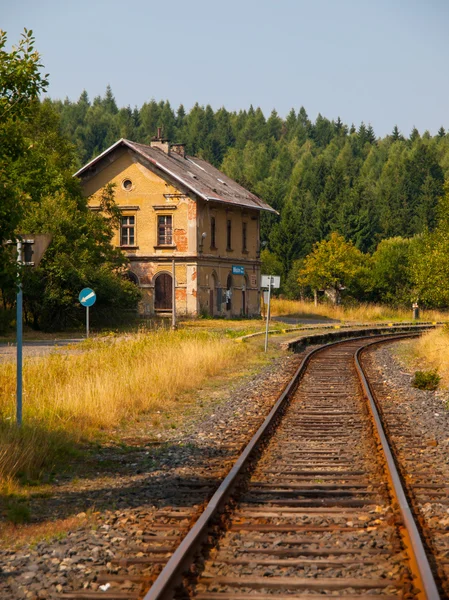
x=365, y=217
x=322, y=177
x=39, y=195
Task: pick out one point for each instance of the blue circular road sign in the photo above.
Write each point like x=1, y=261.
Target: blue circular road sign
x=87, y=297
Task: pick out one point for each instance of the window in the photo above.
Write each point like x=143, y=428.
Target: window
x=244, y=248
x=128, y=231
x=164, y=230
x=212, y=233
x=228, y=235
x=127, y=185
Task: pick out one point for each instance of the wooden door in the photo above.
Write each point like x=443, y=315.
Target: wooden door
x=163, y=292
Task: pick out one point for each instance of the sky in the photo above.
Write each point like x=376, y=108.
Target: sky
x=384, y=62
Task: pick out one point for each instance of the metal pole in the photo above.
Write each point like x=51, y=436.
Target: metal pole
x=87, y=321
x=19, y=341
x=268, y=313
x=173, y=299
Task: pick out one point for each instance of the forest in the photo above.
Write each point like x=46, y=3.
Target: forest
x=323, y=177
x=364, y=217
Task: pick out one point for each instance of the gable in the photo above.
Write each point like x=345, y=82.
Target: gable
x=124, y=166
x=187, y=173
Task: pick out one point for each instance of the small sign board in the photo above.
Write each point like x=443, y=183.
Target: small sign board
x=253, y=280
x=87, y=297
x=275, y=281
x=33, y=247
x=238, y=270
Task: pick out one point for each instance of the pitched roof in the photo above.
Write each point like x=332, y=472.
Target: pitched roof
x=197, y=175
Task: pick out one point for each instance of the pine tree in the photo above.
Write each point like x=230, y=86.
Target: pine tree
x=290, y=124
x=396, y=134
x=108, y=101
x=414, y=135
x=370, y=135
x=274, y=126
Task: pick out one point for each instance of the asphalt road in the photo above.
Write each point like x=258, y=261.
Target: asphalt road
x=36, y=348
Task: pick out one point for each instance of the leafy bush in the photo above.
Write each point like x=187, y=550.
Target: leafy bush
x=6, y=319
x=426, y=380
x=18, y=514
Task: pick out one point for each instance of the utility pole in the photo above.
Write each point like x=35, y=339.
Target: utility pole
x=19, y=338
x=268, y=313
x=173, y=299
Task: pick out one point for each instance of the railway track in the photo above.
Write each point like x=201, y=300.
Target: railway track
x=424, y=470
x=312, y=507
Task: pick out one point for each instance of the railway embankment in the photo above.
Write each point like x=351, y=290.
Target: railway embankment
x=130, y=492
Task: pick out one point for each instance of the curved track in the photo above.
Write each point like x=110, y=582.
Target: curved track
x=313, y=505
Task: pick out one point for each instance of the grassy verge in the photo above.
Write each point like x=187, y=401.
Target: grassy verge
x=430, y=352
x=70, y=398
x=359, y=313
x=231, y=328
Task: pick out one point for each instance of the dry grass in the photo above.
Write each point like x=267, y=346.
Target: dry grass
x=430, y=352
x=70, y=397
x=359, y=313
x=15, y=536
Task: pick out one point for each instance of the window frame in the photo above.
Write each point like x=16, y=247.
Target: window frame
x=162, y=240
x=229, y=234
x=244, y=236
x=213, y=233
x=125, y=242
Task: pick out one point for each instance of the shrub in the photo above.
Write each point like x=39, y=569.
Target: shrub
x=426, y=380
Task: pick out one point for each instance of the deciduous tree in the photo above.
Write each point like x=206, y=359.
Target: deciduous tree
x=333, y=265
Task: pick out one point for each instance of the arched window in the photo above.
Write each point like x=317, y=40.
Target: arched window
x=163, y=289
x=131, y=277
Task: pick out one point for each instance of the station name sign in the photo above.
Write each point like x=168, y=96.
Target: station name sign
x=238, y=270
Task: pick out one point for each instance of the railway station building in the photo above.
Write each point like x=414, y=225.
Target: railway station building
x=183, y=224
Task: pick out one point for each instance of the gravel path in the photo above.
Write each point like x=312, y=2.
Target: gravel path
x=418, y=425
x=110, y=510
x=424, y=409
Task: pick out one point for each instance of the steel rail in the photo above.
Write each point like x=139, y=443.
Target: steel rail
x=419, y=556
x=178, y=565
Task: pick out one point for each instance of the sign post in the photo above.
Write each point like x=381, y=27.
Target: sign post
x=28, y=247
x=269, y=281
x=173, y=299
x=87, y=298
x=268, y=313
x=19, y=336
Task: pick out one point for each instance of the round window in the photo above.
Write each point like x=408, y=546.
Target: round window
x=127, y=184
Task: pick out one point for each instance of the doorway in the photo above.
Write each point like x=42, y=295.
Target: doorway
x=163, y=289
x=229, y=293
x=212, y=286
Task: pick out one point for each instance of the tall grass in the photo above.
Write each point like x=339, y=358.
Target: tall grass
x=431, y=352
x=360, y=313
x=72, y=396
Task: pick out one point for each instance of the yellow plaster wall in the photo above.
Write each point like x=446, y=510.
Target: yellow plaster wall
x=237, y=216
x=148, y=190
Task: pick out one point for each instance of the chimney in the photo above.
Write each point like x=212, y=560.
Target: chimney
x=178, y=149
x=160, y=142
